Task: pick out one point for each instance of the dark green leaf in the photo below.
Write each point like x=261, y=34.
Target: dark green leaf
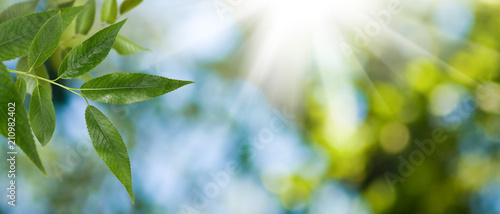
x=109, y=146
x=24, y=138
x=18, y=10
x=42, y=115
x=109, y=11
x=21, y=88
x=85, y=20
x=128, y=5
x=126, y=47
x=22, y=65
x=86, y=56
x=125, y=88
x=16, y=34
x=46, y=41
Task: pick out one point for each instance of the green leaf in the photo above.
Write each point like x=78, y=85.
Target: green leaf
x=85, y=78
x=85, y=20
x=22, y=65
x=58, y=4
x=125, y=88
x=86, y=56
x=18, y=10
x=42, y=115
x=21, y=88
x=17, y=34
x=69, y=14
x=109, y=11
x=126, y=47
x=128, y=5
x=46, y=41
x=65, y=52
x=109, y=146
x=24, y=138
x=66, y=4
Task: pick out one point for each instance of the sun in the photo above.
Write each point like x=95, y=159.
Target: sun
x=292, y=40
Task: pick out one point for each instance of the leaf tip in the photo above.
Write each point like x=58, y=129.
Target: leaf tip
x=122, y=22
x=43, y=144
x=184, y=83
x=43, y=170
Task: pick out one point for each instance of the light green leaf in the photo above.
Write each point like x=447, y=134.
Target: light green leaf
x=109, y=11
x=126, y=47
x=58, y=4
x=85, y=20
x=125, y=88
x=65, y=52
x=128, y=5
x=16, y=34
x=18, y=10
x=86, y=56
x=69, y=14
x=24, y=138
x=46, y=41
x=21, y=88
x=109, y=145
x=42, y=115
x=22, y=65
x=66, y=4
x=85, y=78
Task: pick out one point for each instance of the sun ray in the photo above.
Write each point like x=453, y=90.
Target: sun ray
x=424, y=53
x=357, y=67
x=446, y=37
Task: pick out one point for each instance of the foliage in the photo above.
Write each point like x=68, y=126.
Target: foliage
x=35, y=38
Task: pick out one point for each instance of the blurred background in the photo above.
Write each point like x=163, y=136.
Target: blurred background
x=317, y=107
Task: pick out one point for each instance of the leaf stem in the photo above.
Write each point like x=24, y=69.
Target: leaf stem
x=73, y=90
x=88, y=104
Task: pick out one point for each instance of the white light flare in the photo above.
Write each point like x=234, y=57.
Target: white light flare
x=299, y=36
x=290, y=28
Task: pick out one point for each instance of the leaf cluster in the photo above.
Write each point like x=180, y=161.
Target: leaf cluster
x=35, y=38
